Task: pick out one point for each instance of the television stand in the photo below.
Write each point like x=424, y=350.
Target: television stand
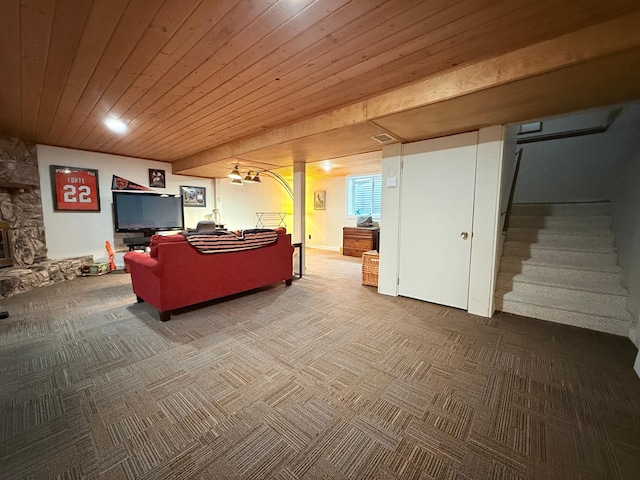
x=133, y=242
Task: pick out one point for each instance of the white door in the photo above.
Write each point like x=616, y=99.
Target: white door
x=438, y=180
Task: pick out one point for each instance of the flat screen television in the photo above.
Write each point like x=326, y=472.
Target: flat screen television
x=147, y=213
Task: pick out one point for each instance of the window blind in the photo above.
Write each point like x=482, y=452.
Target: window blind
x=365, y=195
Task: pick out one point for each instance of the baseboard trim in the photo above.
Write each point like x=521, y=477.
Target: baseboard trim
x=323, y=247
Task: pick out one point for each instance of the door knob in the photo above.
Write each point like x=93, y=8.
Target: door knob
x=464, y=235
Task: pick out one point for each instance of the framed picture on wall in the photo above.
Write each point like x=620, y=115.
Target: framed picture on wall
x=75, y=189
x=156, y=178
x=194, y=196
x=319, y=197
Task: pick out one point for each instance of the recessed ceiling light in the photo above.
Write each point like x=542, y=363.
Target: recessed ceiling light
x=116, y=125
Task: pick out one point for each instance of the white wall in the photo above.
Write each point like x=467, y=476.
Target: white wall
x=486, y=221
x=578, y=169
x=389, y=236
x=73, y=234
x=238, y=204
x=626, y=226
x=324, y=227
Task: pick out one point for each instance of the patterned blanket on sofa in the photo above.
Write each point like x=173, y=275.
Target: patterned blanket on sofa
x=219, y=241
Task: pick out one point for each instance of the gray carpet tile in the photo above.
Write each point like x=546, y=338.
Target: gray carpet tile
x=325, y=379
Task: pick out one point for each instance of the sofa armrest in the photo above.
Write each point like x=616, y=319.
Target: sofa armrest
x=137, y=260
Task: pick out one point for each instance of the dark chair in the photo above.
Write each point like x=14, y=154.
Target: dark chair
x=206, y=226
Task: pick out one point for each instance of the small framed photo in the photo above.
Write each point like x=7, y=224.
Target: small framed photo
x=156, y=178
x=75, y=189
x=194, y=196
x=319, y=197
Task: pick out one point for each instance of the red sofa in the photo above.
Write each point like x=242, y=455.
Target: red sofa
x=176, y=275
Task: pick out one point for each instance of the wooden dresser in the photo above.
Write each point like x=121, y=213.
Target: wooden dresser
x=357, y=240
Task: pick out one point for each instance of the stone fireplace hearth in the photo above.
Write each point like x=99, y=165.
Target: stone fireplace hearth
x=23, y=242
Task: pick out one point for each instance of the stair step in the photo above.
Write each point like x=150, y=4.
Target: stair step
x=559, y=264
x=615, y=320
x=566, y=223
x=598, y=238
x=561, y=288
x=566, y=270
x=562, y=209
x=595, y=255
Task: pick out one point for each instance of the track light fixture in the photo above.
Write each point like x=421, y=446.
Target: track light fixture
x=235, y=174
x=238, y=179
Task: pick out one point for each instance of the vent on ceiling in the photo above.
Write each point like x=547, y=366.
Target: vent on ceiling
x=383, y=138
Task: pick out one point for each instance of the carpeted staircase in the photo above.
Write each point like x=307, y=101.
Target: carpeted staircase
x=559, y=263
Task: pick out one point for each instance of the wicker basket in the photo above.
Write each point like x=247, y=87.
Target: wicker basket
x=370, y=262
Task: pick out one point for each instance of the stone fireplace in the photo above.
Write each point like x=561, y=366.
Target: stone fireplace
x=22, y=234
x=6, y=258
x=20, y=201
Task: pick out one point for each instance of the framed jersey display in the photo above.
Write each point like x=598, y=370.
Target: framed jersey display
x=75, y=189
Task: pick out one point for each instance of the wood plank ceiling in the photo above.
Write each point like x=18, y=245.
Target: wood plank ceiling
x=188, y=76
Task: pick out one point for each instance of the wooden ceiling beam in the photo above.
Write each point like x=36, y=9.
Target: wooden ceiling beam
x=234, y=36
x=398, y=39
x=588, y=44
x=297, y=42
x=416, y=41
x=413, y=42
x=579, y=87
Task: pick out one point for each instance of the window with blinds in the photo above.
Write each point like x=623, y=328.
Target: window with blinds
x=364, y=195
